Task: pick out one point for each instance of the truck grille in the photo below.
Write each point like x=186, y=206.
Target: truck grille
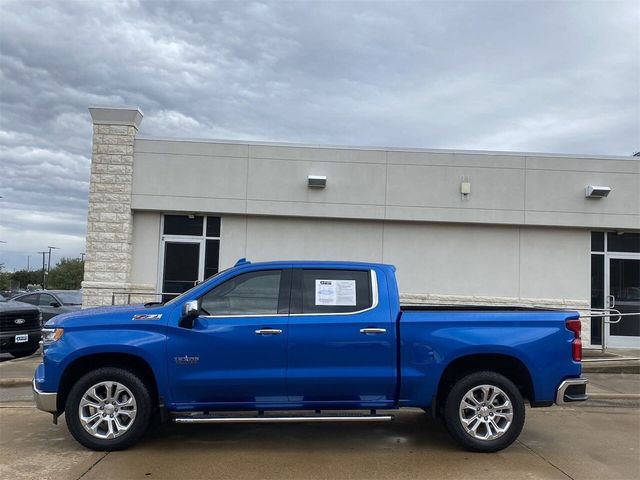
x=8, y=321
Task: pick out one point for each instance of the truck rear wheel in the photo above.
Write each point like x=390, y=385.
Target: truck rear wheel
x=484, y=412
x=108, y=409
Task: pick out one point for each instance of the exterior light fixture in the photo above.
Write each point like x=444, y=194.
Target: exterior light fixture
x=594, y=191
x=317, y=181
x=465, y=187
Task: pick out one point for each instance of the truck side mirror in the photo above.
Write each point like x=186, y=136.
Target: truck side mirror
x=190, y=311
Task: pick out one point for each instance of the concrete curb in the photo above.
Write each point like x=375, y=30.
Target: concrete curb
x=17, y=405
x=614, y=396
x=15, y=382
x=608, y=368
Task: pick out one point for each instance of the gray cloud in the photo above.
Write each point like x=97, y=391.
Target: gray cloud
x=533, y=76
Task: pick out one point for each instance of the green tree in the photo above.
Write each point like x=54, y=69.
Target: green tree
x=5, y=278
x=22, y=278
x=66, y=275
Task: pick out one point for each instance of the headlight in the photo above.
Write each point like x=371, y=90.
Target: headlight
x=51, y=335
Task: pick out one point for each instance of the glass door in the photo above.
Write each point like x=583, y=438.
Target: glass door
x=624, y=295
x=181, y=266
x=190, y=251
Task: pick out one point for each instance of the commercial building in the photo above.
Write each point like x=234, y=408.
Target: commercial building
x=460, y=226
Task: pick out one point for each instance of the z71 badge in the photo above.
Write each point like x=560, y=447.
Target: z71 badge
x=142, y=316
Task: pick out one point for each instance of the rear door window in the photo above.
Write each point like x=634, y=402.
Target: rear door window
x=335, y=291
x=31, y=299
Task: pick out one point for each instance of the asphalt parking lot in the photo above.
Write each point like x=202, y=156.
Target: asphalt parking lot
x=4, y=357
x=582, y=442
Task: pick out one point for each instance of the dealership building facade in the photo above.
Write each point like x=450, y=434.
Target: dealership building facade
x=462, y=227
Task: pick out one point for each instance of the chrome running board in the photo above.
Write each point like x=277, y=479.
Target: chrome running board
x=283, y=419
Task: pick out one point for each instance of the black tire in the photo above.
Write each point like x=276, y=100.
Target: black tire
x=24, y=353
x=139, y=424
x=455, y=425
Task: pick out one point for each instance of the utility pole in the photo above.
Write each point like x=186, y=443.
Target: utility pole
x=28, y=257
x=43, y=271
x=82, y=257
x=49, y=260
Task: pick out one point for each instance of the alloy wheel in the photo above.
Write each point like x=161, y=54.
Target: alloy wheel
x=107, y=410
x=486, y=412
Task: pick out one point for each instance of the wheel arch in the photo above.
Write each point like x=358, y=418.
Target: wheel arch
x=86, y=363
x=510, y=366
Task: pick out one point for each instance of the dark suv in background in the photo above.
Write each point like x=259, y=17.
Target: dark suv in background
x=19, y=329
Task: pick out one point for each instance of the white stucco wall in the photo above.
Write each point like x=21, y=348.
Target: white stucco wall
x=384, y=184
x=433, y=258
x=146, y=249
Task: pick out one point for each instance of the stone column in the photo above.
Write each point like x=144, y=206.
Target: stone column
x=110, y=220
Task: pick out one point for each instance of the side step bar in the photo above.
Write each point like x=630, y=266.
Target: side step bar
x=282, y=419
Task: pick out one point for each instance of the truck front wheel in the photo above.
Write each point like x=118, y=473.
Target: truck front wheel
x=484, y=411
x=108, y=409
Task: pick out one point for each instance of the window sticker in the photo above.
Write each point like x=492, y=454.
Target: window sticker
x=336, y=292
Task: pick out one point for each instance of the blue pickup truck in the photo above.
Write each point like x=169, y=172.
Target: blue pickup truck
x=303, y=342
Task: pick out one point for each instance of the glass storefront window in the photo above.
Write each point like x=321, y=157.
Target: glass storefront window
x=213, y=227
x=623, y=242
x=211, y=257
x=597, y=296
x=183, y=225
x=597, y=241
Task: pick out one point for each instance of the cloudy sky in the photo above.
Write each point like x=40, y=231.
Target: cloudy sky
x=560, y=76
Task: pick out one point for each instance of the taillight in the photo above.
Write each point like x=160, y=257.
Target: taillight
x=576, y=345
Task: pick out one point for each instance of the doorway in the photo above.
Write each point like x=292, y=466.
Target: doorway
x=615, y=283
x=624, y=296
x=189, y=252
x=181, y=266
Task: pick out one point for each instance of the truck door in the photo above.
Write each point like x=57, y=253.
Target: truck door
x=341, y=340
x=235, y=354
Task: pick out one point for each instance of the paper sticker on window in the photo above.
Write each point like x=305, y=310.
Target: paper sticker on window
x=336, y=292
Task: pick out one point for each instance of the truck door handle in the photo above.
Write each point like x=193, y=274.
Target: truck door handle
x=268, y=331
x=373, y=331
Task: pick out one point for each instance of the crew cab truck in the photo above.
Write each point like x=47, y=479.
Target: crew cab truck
x=294, y=341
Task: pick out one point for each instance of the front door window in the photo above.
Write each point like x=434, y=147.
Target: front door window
x=253, y=293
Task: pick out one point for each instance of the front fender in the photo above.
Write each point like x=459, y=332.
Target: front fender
x=148, y=344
